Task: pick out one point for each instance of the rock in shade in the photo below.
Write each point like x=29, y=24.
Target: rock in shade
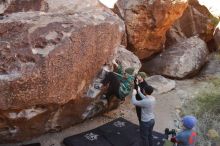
x=161, y=84
x=217, y=36
x=181, y=60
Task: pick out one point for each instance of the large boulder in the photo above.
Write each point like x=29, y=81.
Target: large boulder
x=128, y=59
x=217, y=36
x=147, y=22
x=48, y=62
x=181, y=60
x=12, y=6
x=196, y=20
x=160, y=84
x=212, y=68
x=71, y=5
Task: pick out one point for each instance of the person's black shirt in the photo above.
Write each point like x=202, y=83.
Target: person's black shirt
x=142, y=86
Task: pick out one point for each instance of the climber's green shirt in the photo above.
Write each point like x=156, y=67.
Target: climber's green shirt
x=125, y=83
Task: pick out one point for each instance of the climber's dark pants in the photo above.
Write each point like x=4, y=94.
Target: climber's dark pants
x=114, y=84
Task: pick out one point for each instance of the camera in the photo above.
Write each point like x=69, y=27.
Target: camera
x=171, y=132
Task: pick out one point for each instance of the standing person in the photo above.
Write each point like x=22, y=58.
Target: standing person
x=147, y=116
x=140, y=82
x=187, y=136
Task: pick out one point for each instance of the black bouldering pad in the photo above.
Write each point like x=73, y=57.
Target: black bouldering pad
x=33, y=144
x=119, y=132
x=90, y=138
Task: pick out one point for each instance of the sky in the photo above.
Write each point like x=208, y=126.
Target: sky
x=110, y=3
x=212, y=5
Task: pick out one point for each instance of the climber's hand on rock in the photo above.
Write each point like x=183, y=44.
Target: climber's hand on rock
x=114, y=62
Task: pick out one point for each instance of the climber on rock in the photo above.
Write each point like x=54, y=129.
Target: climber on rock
x=118, y=83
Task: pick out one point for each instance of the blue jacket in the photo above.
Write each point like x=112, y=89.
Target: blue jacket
x=186, y=137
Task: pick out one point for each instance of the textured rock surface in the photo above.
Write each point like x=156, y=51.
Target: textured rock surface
x=213, y=6
x=147, y=22
x=11, y=6
x=47, y=63
x=71, y=5
x=128, y=59
x=180, y=60
x=196, y=20
x=217, y=36
x=212, y=68
x=161, y=84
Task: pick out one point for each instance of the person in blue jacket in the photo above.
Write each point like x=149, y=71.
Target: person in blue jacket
x=187, y=136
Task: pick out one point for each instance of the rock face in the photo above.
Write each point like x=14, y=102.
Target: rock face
x=147, y=22
x=12, y=6
x=196, y=20
x=181, y=60
x=160, y=84
x=217, y=36
x=48, y=61
x=128, y=59
x=213, y=6
x=212, y=68
x=71, y=5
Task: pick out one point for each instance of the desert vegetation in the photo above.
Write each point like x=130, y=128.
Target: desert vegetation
x=206, y=107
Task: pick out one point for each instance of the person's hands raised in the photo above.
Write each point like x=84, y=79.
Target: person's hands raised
x=134, y=92
x=139, y=89
x=136, y=81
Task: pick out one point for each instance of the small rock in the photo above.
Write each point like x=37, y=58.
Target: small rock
x=161, y=84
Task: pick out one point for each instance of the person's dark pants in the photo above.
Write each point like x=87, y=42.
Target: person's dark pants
x=146, y=132
x=138, y=111
x=114, y=84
